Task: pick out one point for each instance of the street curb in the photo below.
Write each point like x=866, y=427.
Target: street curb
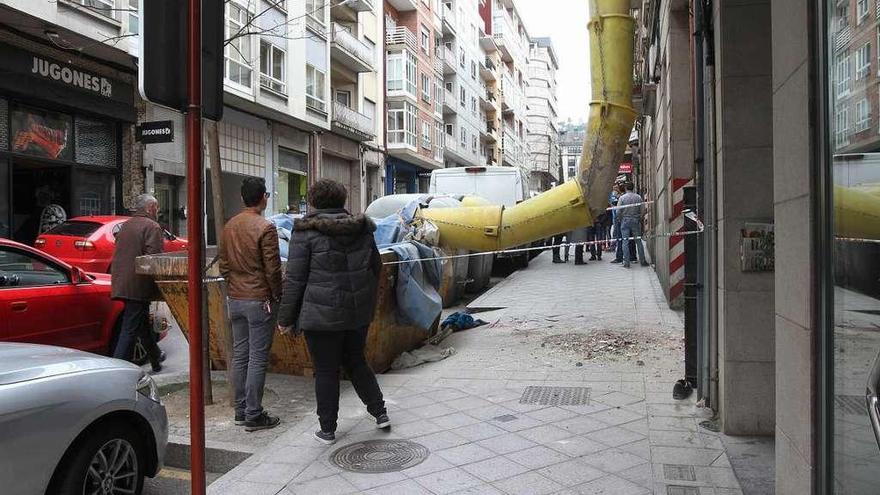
x=220, y=457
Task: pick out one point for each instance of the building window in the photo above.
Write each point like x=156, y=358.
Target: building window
x=461, y=57
x=426, y=40
x=863, y=115
x=370, y=109
x=450, y=130
x=463, y=98
x=315, y=16
x=343, y=97
x=474, y=106
x=272, y=68
x=438, y=96
x=863, y=61
x=238, y=49
x=426, y=134
x=103, y=7
x=426, y=88
x=133, y=17
x=438, y=141
x=841, y=132
x=474, y=144
x=843, y=75
x=473, y=70
x=861, y=10
x=402, y=118
x=315, y=89
x=463, y=138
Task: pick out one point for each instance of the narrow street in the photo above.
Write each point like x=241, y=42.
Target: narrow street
x=518, y=410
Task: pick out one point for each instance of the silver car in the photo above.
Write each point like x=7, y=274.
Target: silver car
x=76, y=423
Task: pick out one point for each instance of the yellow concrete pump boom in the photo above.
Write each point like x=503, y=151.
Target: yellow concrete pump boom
x=575, y=203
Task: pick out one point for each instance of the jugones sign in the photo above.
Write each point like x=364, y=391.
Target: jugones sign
x=74, y=77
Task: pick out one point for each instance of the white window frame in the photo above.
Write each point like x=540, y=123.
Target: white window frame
x=134, y=16
x=861, y=10
x=315, y=13
x=401, y=73
x=863, y=60
x=426, y=40
x=408, y=116
x=863, y=115
x=426, y=134
x=235, y=48
x=315, y=89
x=107, y=8
x=270, y=82
x=463, y=140
x=841, y=128
x=843, y=76
x=427, y=87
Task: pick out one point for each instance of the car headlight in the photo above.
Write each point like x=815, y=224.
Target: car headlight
x=147, y=387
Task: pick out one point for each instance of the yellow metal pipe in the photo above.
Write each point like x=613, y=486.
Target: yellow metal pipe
x=575, y=203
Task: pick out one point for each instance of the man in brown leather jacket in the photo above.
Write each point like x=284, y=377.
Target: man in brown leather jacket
x=251, y=264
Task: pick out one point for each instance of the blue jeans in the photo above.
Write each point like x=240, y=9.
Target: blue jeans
x=252, y=331
x=631, y=227
x=135, y=324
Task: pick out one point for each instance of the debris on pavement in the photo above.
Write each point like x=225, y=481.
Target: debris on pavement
x=612, y=345
x=425, y=354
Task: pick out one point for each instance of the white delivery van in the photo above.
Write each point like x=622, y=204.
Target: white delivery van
x=503, y=186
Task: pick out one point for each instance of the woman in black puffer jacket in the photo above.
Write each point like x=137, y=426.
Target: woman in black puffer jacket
x=330, y=295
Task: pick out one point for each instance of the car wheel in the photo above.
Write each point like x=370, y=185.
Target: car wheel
x=108, y=460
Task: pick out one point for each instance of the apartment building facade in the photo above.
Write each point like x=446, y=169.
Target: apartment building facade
x=542, y=116
x=466, y=104
x=571, y=145
x=414, y=93
x=503, y=22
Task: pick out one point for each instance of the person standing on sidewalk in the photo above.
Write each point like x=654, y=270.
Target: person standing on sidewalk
x=251, y=264
x=631, y=207
x=330, y=294
x=557, y=241
x=138, y=236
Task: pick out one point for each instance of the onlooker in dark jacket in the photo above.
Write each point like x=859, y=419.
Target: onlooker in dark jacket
x=330, y=295
x=251, y=264
x=138, y=236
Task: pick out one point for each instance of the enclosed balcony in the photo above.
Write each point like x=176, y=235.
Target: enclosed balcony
x=351, y=52
x=448, y=21
x=487, y=70
x=450, y=63
x=352, y=124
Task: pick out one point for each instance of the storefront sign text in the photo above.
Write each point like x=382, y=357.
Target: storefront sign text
x=161, y=131
x=74, y=77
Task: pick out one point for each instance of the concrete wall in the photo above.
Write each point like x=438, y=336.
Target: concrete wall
x=792, y=157
x=744, y=189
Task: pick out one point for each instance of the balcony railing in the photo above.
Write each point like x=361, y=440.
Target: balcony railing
x=353, y=121
x=401, y=35
x=348, y=42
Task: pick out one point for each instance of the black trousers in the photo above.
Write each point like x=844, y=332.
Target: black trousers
x=329, y=351
x=136, y=323
x=559, y=239
x=595, y=235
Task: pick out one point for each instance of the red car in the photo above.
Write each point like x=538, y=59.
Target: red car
x=44, y=300
x=88, y=242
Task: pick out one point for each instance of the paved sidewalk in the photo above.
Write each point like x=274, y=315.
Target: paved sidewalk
x=628, y=437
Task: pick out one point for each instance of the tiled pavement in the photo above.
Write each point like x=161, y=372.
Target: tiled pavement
x=628, y=438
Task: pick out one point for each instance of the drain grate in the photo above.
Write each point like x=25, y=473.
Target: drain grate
x=379, y=456
x=679, y=472
x=507, y=418
x=556, y=396
x=851, y=404
x=682, y=490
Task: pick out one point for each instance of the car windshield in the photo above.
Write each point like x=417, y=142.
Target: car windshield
x=75, y=229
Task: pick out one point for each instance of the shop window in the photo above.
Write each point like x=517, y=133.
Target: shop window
x=238, y=49
x=272, y=68
x=4, y=125
x=95, y=142
x=315, y=89
x=849, y=335
x=41, y=133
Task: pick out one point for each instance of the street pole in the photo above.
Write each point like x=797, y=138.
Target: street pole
x=196, y=263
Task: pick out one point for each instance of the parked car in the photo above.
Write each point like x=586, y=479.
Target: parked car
x=76, y=423
x=44, y=300
x=89, y=242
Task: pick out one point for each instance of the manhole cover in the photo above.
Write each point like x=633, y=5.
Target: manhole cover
x=379, y=456
x=556, y=396
x=851, y=404
x=679, y=472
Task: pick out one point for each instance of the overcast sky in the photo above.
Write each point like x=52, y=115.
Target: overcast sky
x=565, y=21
